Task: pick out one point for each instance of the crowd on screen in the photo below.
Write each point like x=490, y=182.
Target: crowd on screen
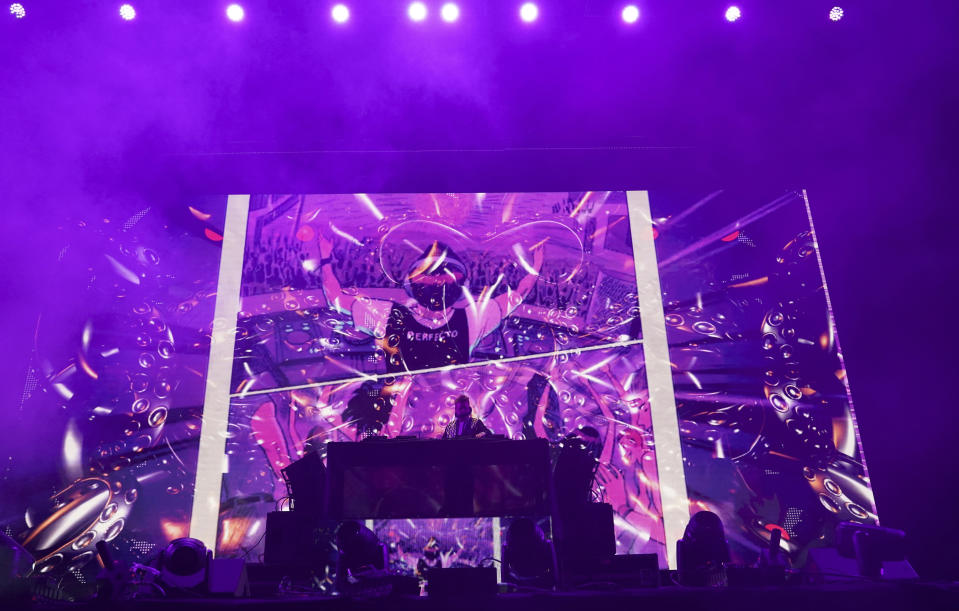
x=281, y=261
x=276, y=261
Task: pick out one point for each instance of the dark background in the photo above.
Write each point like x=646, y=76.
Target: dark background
x=102, y=117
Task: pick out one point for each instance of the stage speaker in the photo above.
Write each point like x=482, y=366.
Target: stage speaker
x=871, y=546
x=588, y=531
x=828, y=561
x=461, y=582
x=306, y=481
x=586, y=537
x=296, y=539
x=630, y=570
x=529, y=558
x=227, y=576
x=738, y=576
x=16, y=564
x=269, y=580
x=573, y=475
x=627, y=571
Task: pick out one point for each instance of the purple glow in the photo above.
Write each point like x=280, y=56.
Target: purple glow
x=340, y=13
x=127, y=12
x=450, y=12
x=17, y=10
x=733, y=13
x=529, y=12
x=631, y=13
x=417, y=11
x=235, y=13
x=835, y=13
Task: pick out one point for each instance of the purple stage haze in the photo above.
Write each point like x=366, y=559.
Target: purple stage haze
x=112, y=129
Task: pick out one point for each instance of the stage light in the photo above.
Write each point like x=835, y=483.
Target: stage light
x=529, y=12
x=235, y=13
x=631, y=13
x=733, y=13
x=17, y=10
x=184, y=562
x=702, y=553
x=127, y=12
x=835, y=13
x=417, y=11
x=450, y=12
x=340, y=13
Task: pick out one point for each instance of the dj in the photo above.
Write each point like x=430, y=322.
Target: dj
x=464, y=425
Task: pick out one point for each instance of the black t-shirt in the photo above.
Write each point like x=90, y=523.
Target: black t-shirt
x=420, y=347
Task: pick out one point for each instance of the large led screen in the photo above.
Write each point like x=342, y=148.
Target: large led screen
x=369, y=314
x=358, y=315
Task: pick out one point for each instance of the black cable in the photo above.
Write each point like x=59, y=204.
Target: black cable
x=252, y=547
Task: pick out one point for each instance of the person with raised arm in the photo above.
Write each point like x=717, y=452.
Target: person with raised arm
x=432, y=321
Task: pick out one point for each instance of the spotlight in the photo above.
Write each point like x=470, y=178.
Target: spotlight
x=631, y=13
x=127, y=12
x=235, y=13
x=340, y=13
x=528, y=12
x=184, y=562
x=733, y=13
x=17, y=10
x=702, y=553
x=450, y=12
x=417, y=11
x=835, y=13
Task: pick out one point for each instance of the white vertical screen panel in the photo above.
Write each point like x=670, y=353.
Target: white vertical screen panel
x=662, y=401
x=216, y=402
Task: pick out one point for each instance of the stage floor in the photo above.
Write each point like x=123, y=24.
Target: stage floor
x=833, y=596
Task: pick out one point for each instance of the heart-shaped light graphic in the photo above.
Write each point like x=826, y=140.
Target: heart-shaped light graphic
x=403, y=244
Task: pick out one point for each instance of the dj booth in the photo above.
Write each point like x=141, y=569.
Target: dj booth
x=405, y=479
x=412, y=478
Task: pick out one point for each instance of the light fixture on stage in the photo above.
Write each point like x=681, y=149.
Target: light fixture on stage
x=189, y=567
x=450, y=12
x=733, y=14
x=235, y=13
x=340, y=13
x=835, y=13
x=17, y=10
x=416, y=11
x=184, y=562
x=127, y=12
x=702, y=553
x=631, y=13
x=529, y=12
